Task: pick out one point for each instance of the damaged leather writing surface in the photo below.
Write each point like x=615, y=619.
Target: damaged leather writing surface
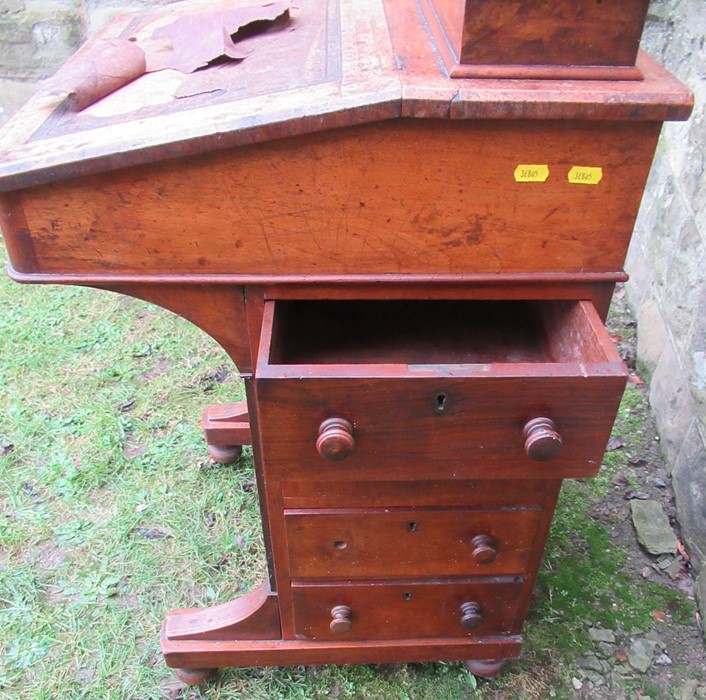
x=185, y=40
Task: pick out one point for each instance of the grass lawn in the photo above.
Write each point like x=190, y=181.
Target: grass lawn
x=111, y=513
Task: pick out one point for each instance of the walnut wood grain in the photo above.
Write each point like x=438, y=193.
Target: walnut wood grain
x=403, y=609
x=397, y=542
x=347, y=492
x=571, y=33
x=293, y=217
x=394, y=408
x=300, y=651
x=253, y=616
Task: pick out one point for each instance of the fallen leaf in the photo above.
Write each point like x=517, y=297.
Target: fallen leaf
x=222, y=561
x=621, y=656
x=659, y=615
x=635, y=379
x=616, y=337
x=151, y=533
x=682, y=551
x=620, y=480
x=172, y=688
x=134, y=451
x=636, y=496
x=615, y=443
x=144, y=352
x=239, y=540
x=141, y=507
x=6, y=449
x=28, y=490
x=209, y=519
x=128, y=406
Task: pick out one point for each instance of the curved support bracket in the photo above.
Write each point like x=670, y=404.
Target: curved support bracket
x=254, y=616
x=216, y=310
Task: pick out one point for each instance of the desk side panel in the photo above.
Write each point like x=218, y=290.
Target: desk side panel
x=408, y=196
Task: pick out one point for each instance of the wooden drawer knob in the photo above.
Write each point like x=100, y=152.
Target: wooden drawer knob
x=335, y=441
x=340, y=619
x=542, y=441
x=471, y=615
x=485, y=549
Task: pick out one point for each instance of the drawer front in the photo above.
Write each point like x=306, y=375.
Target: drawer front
x=398, y=432
x=408, y=542
x=405, y=610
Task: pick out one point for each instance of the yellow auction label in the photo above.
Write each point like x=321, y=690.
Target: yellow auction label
x=531, y=173
x=581, y=175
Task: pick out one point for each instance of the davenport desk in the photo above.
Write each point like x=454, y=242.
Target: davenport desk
x=409, y=252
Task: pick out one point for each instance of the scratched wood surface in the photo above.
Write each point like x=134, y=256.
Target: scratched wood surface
x=343, y=202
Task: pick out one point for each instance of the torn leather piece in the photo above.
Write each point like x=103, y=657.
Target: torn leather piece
x=111, y=64
x=196, y=38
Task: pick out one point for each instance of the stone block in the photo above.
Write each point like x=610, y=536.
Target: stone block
x=685, y=282
x=639, y=286
x=672, y=214
x=13, y=94
x=701, y=596
x=671, y=403
x=652, y=527
x=11, y=6
x=35, y=44
x=693, y=358
x=689, y=481
x=652, y=334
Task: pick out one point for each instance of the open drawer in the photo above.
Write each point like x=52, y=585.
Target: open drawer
x=435, y=389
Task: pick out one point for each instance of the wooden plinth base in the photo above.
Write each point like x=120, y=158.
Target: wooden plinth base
x=213, y=654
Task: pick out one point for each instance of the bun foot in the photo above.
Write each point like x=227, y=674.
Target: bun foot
x=225, y=454
x=194, y=676
x=485, y=668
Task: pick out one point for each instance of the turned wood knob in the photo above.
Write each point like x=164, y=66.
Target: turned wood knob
x=485, y=549
x=340, y=619
x=471, y=615
x=335, y=441
x=542, y=441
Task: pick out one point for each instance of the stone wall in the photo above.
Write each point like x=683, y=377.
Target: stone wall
x=37, y=36
x=667, y=264
x=667, y=260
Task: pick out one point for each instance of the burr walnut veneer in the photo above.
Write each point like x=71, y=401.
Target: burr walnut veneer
x=411, y=272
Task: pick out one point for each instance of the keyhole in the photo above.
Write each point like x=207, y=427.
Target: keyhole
x=340, y=544
x=412, y=526
x=407, y=596
x=440, y=404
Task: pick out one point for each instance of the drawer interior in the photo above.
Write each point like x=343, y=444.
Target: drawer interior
x=428, y=332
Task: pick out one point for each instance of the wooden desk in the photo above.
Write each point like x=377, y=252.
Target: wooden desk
x=411, y=274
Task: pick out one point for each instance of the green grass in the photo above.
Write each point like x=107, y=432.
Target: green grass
x=111, y=514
